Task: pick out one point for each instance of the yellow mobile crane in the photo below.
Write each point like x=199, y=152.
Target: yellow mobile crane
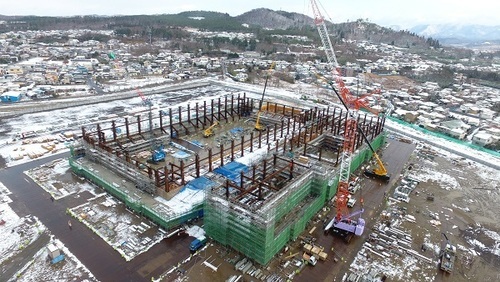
x=258, y=125
x=210, y=131
x=379, y=172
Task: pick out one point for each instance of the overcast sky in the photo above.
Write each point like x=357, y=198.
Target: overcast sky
x=403, y=13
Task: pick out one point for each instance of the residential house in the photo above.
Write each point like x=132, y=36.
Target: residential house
x=454, y=128
x=482, y=138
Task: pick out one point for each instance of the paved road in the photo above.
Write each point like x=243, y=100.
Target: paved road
x=92, y=84
x=17, y=109
x=15, y=263
x=103, y=261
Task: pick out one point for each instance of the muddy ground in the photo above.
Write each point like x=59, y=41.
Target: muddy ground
x=463, y=206
x=466, y=197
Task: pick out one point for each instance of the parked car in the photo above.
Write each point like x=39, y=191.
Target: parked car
x=197, y=244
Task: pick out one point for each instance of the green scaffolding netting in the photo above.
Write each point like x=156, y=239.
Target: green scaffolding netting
x=165, y=221
x=261, y=238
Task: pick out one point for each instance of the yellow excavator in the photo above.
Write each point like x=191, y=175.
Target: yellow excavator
x=210, y=131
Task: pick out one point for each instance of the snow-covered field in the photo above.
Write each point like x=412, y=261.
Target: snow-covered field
x=56, y=179
x=18, y=232
x=40, y=269
x=463, y=206
x=23, y=235
x=53, y=131
x=126, y=232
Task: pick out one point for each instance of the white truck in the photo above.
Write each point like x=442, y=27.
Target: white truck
x=354, y=188
x=310, y=259
x=351, y=202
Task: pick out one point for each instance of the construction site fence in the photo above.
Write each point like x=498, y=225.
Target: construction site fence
x=165, y=221
x=444, y=146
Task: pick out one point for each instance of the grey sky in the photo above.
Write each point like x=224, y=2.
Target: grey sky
x=404, y=13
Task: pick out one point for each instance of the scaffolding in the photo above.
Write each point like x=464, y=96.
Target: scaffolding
x=261, y=233
x=163, y=218
x=254, y=208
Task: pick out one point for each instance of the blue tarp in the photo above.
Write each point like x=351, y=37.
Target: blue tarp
x=181, y=155
x=232, y=171
x=236, y=130
x=200, y=183
x=58, y=259
x=197, y=143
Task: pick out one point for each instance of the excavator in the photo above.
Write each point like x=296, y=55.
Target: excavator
x=210, y=131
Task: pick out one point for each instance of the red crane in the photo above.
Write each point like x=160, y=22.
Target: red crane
x=342, y=222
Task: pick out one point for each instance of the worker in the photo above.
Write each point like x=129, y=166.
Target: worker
x=69, y=225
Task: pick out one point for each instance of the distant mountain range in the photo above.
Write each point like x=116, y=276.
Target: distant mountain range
x=456, y=34
x=271, y=19
x=447, y=34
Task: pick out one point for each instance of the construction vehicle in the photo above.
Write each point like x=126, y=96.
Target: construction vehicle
x=346, y=227
x=210, y=131
x=259, y=126
x=448, y=255
x=351, y=202
x=157, y=152
x=343, y=223
x=379, y=172
x=349, y=101
x=309, y=259
x=197, y=244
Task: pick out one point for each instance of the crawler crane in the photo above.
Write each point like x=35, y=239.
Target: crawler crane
x=343, y=223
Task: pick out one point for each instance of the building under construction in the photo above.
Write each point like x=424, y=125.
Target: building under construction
x=260, y=187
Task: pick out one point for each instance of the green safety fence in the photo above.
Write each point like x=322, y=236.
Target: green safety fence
x=167, y=222
x=444, y=136
x=300, y=225
x=292, y=201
